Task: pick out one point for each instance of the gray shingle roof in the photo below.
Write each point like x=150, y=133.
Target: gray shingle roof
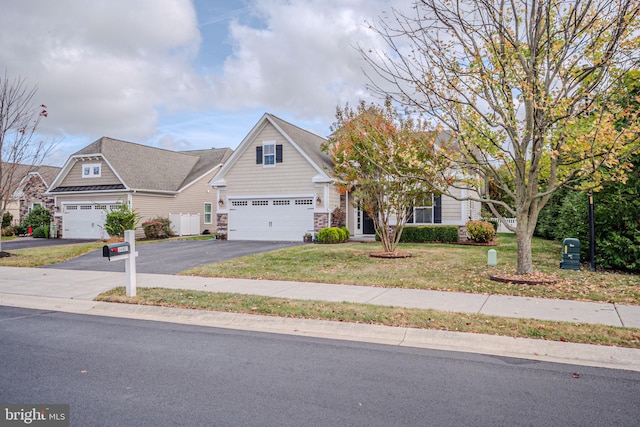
x=143, y=167
x=310, y=143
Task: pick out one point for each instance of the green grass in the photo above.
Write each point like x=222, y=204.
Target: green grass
x=380, y=315
x=445, y=267
x=47, y=255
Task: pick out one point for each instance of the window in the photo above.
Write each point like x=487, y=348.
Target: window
x=91, y=170
x=208, y=213
x=269, y=153
x=35, y=205
x=423, y=213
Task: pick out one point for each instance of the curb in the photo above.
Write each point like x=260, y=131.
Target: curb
x=523, y=348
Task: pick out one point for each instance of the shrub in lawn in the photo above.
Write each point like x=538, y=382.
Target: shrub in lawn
x=157, y=228
x=480, y=231
x=332, y=235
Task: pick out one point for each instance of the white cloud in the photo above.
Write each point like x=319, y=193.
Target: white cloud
x=300, y=58
x=136, y=70
x=102, y=67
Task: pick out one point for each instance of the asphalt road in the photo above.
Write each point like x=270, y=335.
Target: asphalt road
x=174, y=256
x=122, y=372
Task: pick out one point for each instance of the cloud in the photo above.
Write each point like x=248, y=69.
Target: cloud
x=300, y=56
x=103, y=67
x=153, y=71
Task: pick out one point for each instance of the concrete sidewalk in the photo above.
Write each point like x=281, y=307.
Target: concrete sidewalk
x=73, y=291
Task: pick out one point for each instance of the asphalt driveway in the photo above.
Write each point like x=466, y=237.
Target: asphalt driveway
x=174, y=256
x=30, y=242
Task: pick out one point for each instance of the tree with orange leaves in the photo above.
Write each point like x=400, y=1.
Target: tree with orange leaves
x=371, y=147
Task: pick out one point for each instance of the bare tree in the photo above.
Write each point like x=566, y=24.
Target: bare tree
x=526, y=89
x=21, y=150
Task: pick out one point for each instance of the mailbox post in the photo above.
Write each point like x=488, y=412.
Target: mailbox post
x=130, y=263
x=125, y=251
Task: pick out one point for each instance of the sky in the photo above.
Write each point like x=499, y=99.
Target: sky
x=186, y=74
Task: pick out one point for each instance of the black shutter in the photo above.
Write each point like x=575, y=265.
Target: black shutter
x=437, y=210
x=279, y=153
x=259, y=155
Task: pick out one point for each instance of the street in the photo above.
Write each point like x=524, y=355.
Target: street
x=122, y=372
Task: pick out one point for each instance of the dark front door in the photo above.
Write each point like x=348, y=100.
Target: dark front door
x=367, y=224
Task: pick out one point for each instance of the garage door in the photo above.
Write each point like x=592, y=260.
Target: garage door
x=84, y=221
x=286, y=219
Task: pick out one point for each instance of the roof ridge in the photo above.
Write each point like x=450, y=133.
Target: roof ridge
x=295, y=126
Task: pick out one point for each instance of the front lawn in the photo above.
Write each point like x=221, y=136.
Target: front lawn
x=432, y=266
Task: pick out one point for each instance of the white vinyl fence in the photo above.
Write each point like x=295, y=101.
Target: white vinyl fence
x=501, y=228
x=185, y=224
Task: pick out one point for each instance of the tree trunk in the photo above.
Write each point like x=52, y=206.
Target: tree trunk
x=523, y=236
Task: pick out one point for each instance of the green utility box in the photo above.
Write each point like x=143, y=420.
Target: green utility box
x=570, y=254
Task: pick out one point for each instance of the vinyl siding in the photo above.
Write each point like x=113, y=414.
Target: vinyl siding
x=74, y=177
x=191, y=200
x=292, y=176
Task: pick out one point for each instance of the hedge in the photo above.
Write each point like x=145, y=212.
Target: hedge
x=429, y=233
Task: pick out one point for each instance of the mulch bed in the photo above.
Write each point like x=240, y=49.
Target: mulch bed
x=390, y=255
x=4, y=254
x=525, y=279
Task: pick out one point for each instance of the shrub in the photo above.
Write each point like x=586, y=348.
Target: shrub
x=493, y=222
x=120, y=219
x=332, y=235
x=41, y=232
x=429, y=233
x=37, y=217
x=480, y=231
x=7, y=217
x=10, y=230
x=157, y=228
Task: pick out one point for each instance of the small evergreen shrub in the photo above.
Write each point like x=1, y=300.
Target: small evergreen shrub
x=38, y=216
x=332, y=235
x=40, y=233
x=480, y=231
x=7, y=217
x=120, y=219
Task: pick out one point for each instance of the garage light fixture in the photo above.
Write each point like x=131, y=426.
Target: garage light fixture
x=221, y=202
x=318, y=201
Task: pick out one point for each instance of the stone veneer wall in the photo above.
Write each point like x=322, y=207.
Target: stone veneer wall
x=222, y=221
x=320, y=221
x=33, y=192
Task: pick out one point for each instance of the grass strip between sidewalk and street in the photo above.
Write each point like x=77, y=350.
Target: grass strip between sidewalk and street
x=380, y=315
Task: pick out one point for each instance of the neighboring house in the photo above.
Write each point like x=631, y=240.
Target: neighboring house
x=26, y=185
x=278, y=185
x=31, y=190
x=155, y=182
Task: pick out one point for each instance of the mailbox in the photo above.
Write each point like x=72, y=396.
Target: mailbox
x=116, y=250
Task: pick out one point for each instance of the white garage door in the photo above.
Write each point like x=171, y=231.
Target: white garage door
x=286, y=219
x=84, y=221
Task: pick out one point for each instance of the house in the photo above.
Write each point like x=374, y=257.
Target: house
x=155, y=182
x=31, y=191
x=25, y=186
x=278, y=185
